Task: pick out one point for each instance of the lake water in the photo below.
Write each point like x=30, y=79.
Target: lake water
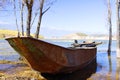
x=102, y=68
x=6, y=52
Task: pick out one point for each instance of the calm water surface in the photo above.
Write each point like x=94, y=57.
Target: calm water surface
x=102, y=68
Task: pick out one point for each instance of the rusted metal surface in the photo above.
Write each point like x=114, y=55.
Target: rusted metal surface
x=49, y=58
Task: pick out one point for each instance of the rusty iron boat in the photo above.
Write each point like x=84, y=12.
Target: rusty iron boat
x=46, y=57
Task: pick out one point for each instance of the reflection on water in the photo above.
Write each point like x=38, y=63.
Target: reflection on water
x=108, y=69
x=118, y=70
x=82, y=74
x=103, y=68
x=5, y=66
x=6, y=52
x=9, y=57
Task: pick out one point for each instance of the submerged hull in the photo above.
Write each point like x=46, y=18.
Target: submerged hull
x=49, y=58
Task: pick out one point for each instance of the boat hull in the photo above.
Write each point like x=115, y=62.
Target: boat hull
x=49, y=58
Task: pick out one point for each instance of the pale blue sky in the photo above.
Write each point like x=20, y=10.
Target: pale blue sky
x=70, y=16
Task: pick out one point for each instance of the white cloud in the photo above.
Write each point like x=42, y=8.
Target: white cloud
x=3, y=22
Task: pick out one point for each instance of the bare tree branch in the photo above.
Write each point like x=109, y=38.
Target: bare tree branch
x=16, y=17
x=42, y=12
x=34, y=18
x=45, y=10
x=22, y=26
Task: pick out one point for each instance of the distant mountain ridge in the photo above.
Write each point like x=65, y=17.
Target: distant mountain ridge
x=74, y=36
x=85, y=36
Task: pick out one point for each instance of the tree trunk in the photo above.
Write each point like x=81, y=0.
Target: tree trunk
x=110, y=28
x=110, y=40
x=22, y=19
x=16, y=18
x=118, y=29
x=29, y=5
x=40, y=19
x=28, y=22
x=38, y=26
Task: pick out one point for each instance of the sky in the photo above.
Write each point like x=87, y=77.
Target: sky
x=69, y=16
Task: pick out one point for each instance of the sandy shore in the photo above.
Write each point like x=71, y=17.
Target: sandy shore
x=18, y=70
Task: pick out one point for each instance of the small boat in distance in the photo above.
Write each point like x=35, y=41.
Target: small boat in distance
x=46, y=57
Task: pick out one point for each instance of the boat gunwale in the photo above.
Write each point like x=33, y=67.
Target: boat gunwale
x=68, y=48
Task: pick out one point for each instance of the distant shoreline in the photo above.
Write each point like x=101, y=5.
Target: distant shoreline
x=80, y=36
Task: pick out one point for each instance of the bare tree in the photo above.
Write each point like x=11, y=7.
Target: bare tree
x=40, y=18
x=14, y=2
x=110, y=27
x=41, y=13
x=118, y=27
x=21, y=12
x=29, y=4
x=42, y=7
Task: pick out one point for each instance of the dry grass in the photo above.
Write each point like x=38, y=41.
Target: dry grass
x=19, y=71
x=11, y=33
x=4, y=33
x=22, y=75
